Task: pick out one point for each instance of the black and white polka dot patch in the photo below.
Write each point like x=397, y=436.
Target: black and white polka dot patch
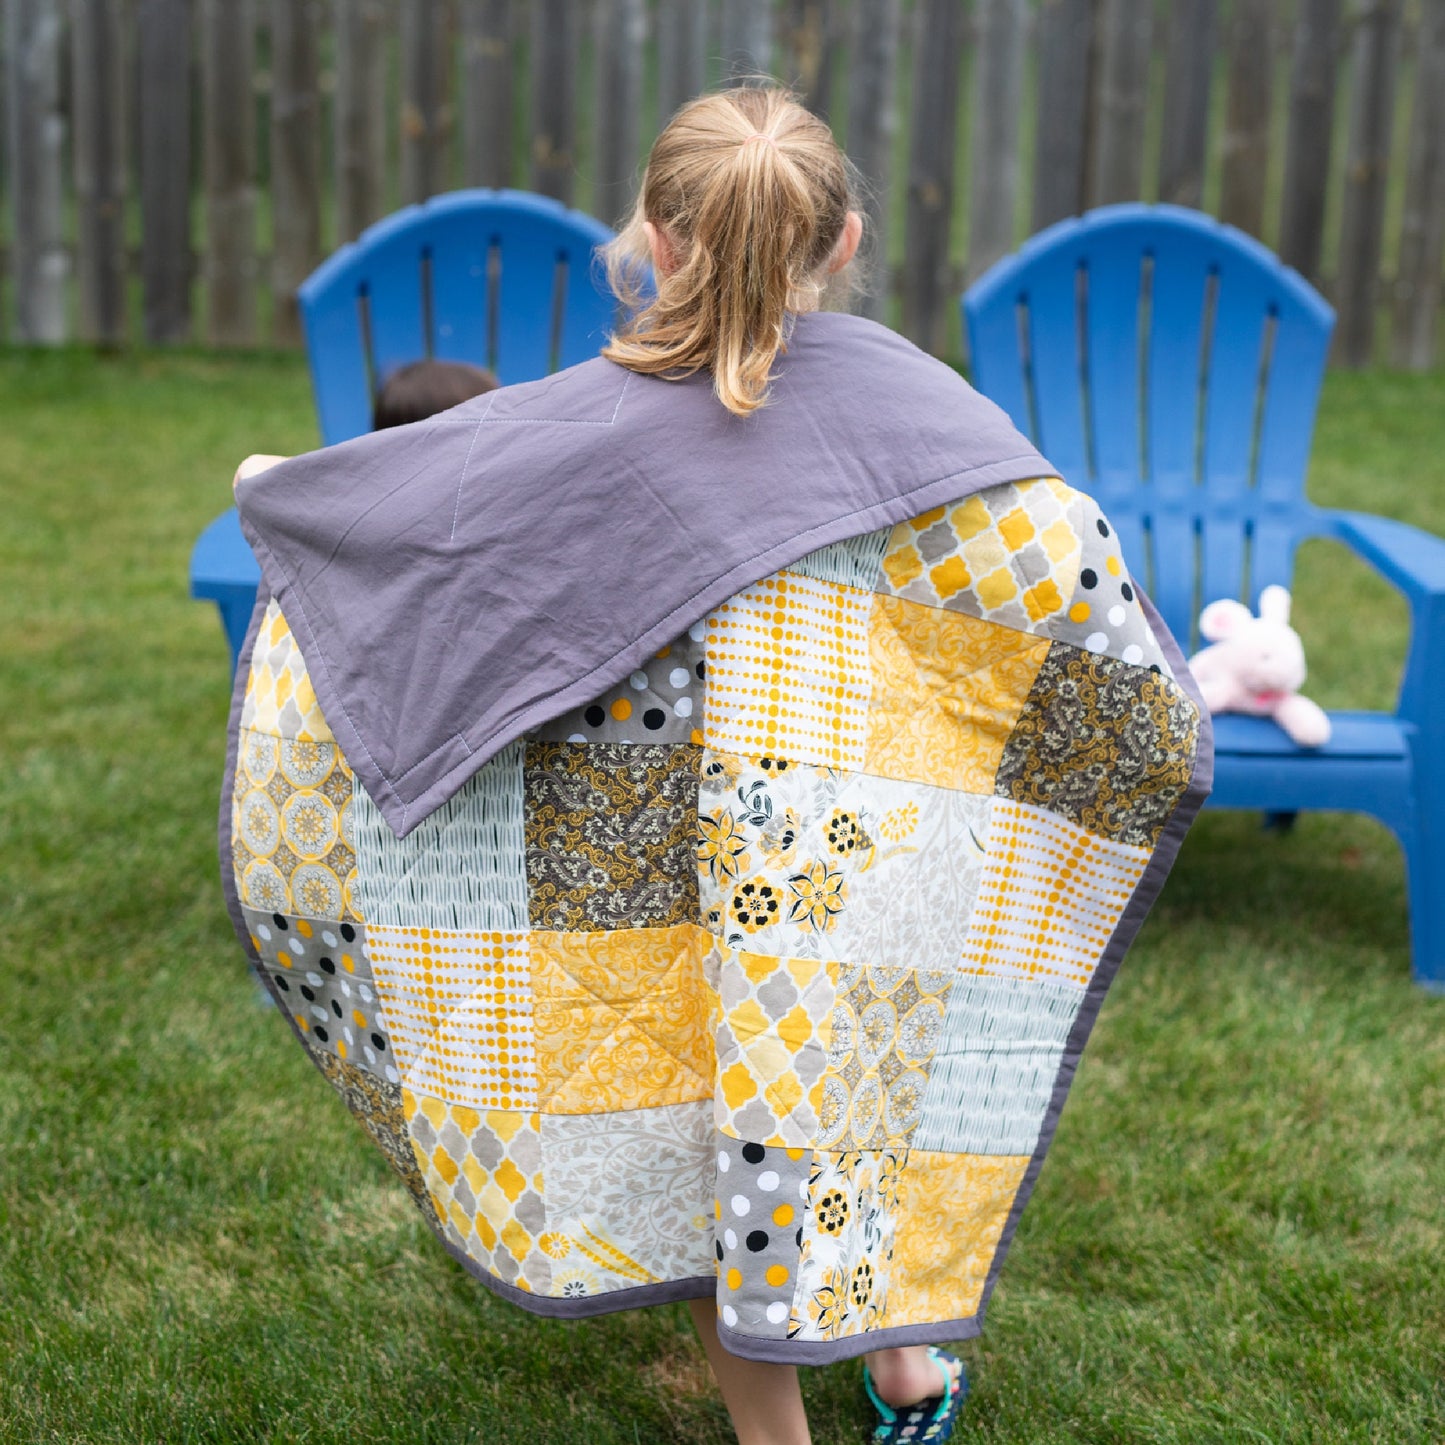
x=320, y=970
x=661, y=702
x=762, y=1192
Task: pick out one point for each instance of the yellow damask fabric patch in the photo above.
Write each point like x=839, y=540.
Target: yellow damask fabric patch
x=292, y=842
x=951, y=1212
x=483, y=1173
x=279, y=697
x=1008, y=555
x=459, y=1007
x=1051, y=897
x=787, y=671
x=947, y=693
x=622, y=1019
x=772, y=1045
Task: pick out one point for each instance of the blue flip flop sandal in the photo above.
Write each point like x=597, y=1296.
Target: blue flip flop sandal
x=930, y=1420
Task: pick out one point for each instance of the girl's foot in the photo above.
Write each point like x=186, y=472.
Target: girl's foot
x=910, y=1376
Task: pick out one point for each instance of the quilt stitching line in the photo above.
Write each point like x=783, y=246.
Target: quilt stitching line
x=558, y=420
x=627, y=1018
x=466, y=462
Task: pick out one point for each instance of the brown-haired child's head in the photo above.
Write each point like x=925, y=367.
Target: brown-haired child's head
x=746, y=207
x=423, y=388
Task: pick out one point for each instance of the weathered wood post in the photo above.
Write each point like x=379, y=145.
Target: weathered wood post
x=164, y=101
x=746, y=39
x=1188, y=69
x=927, y=278
x=486, y=102
x=360, y=115
x=681, y=54
x=1247, y=112
x=1061, y=145
x=1307, y=144
x=1422, y=227
x=1120, y=101
x=872, y=126
x=1372, y=111
x=228, y=62
x=621, y=31
x=36, y=153
x=554, y=84
x=97, y=65
x=295, y=157
x=426, y=122
x=997, y=99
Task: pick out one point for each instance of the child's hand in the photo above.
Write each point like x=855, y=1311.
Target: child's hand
x=258, y=462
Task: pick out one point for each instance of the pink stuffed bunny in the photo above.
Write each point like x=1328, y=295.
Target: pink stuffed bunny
x=1257, y=665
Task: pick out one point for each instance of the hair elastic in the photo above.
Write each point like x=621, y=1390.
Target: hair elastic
x=762, y=136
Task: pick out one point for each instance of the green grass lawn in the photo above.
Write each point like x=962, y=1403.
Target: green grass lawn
x=1239, y=1235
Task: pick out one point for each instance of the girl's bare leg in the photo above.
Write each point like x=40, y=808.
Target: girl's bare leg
x=764, y=1401
x=906, y=1376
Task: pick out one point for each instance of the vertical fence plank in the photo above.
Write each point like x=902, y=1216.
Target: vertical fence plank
x=1313, y=74
x=813, y=38
x=872, y=126
x=554, y=80
x=228, y=62
x=1188, y=66
x=1065, y=28
x=37, y=160
x=425, y=108
x=1121, y=101
x=295, y=157
x=359, y=115
x=486, y=27
x=937, y=62
x=745, y=39
x=1372, y=106
x=620, y=35
x=997, y=102
x=681, y=54
x=1247, y=113
x=164, y=103
x=1422, y=229
x=97, y=55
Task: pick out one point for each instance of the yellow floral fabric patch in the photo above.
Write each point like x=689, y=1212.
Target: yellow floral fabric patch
x=951, y=1212
x=622, y=1019
x=947, y=693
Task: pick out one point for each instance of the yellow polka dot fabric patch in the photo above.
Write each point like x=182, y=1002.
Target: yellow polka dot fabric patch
x=459, y=1006
x=1008, y=555
x=947, y=693
x=1051, y=897
x=622, y=1019
x=787, y=671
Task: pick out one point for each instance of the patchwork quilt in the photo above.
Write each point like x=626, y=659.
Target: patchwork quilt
x=762, y=970
x=697, y=848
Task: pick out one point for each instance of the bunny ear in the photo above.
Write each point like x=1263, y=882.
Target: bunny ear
x=1274, y=605
x=1223, y=618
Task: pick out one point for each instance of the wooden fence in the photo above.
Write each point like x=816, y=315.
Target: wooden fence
x=173, y=168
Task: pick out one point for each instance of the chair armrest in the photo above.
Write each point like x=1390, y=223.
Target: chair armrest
x=1413, y=561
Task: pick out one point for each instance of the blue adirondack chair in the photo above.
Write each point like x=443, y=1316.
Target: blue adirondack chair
x=503, y=279
x=1171, y=366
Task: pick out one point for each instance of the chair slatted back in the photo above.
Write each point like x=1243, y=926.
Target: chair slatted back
x=1170, y=365
x=502, y=279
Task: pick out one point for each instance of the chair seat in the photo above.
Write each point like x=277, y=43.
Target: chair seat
x=222, y=561
x=1354, y=735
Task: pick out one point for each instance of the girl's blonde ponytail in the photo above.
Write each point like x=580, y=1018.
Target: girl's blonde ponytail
x=751, y=195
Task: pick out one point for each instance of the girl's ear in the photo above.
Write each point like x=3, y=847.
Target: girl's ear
x=847, y=244
x=1222, y=619
x=663, y=260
